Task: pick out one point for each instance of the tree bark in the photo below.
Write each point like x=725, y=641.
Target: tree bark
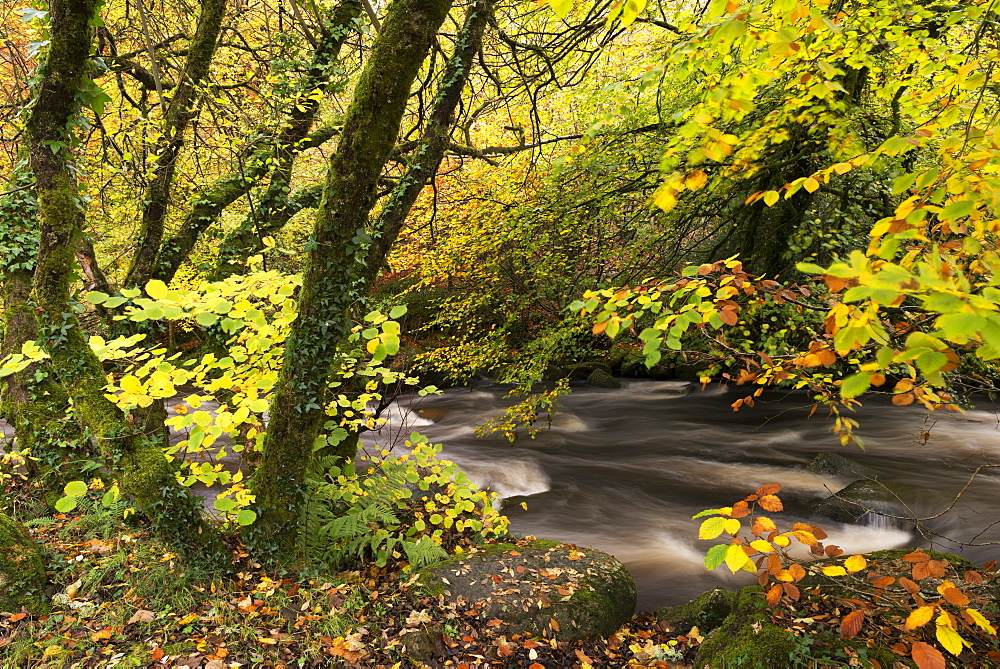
x=336, y=252
x=179, y=114
x=434, y=141
x=270, y=215
x=143, y=472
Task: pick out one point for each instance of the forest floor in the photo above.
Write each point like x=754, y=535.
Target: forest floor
x=121, y=598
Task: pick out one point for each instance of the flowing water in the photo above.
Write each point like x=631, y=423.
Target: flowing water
x=624, y=470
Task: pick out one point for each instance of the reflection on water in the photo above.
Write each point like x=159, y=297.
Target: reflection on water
x=624, y=470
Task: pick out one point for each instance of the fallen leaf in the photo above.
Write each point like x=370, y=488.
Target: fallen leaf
x=141, y=616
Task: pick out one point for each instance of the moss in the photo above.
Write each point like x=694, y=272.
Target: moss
x=746, y=639
x=22, y=570
x=705, y=612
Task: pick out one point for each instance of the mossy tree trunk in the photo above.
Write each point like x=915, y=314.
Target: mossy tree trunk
x=22, y=570
x=430, y=148
x=180, y=112
x=272, y=211
x=336, y=253
x=34, y=404
x=143, y=472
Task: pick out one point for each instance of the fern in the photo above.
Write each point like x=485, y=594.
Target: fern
x=351, y=518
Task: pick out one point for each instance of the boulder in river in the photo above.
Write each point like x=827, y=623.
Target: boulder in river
x=601, y=379
x=22, y=570
x=868, y=502
x=544, y=588
x=837, y=466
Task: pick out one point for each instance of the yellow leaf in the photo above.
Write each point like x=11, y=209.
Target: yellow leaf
x=981, y=621
x=156, y=289
x=189, y=618
x=712, y=527
x=665, y=198
x=834, y=570
x=919, y=617
x=842, y=168
x=762, y=546
x=782, y=541
x=131, y=385
x=736, y=559
x=855, y=563
x=949, y=638
x=770, y=197
x=695, y=180
x=811, y=185
x=732, y=526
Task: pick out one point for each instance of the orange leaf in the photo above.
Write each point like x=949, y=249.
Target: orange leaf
x=883, y=581
x=916, y=556
x=798, y=573
x=833, y=551
x=851, y=624
x=770, y=503
x=18, y=616
x=768, y=489
x=535, y=665
x=903, y=400
x=791, y=591
x=926, y=656
x=157, y=654
x=773, y=564
x=956, y=597
x=773, y=595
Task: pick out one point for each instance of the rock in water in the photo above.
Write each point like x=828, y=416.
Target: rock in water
x=869, y=502
x=22, y=570
x=601, y=379
x=833, y=464
x=544, y=588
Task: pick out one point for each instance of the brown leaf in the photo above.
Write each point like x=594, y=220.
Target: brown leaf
x=973, y=577
x=926, y=656
x=883, y=581
x=937, y=568
x=773, y=595
x=773, y=564
x=903, y=399
x=921, y=570
x=798, y=573
x=554, y=624
x=916, y=556
x=851, y=624
x=833, y=551
x=583, y=657
x=792, y=591
x=142, y=615
x=909, y=585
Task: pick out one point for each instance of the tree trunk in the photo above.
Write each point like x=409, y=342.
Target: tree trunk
x=336, y=252
x=143, y=472
x=22, y=570
x=433, y=142
x=271, y=213
x=179, y=114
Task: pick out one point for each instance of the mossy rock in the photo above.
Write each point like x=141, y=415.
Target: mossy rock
x=601, y=379
x=706, y=612
x=22, y=570
x=746, y=639
x=836, y=465
x=586, y=592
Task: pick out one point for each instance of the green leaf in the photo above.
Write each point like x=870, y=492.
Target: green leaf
x=903, y=183
x=943, y=303
x=958, y=209
x=854, y=385
x=206, y=319
x=962, y=325
x=246, y=517
x=75, y=489
x=225, y=504
x=715, y=556
x=96, y=297
x=65, y=504
x=631, y=10
x=561, y=7
x=397, y=311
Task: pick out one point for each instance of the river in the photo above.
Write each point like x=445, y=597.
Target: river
x=624, y=470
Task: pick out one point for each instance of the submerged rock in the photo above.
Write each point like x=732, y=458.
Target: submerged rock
x=869, y=502
x=22, y=570
x=833, y=464
x=545, y=588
